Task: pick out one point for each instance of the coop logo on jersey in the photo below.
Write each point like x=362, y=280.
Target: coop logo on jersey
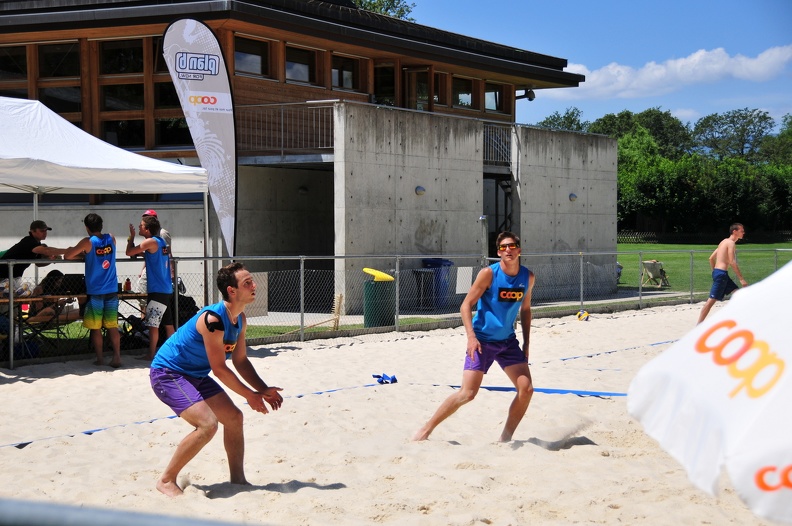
x=193, y=66
x=510, y=295
x=229, y=346
x=104, y=251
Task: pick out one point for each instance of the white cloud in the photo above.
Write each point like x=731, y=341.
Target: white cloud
x=615, y=81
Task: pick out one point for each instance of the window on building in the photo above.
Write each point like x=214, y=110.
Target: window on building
x=172, y=133
x=165, y=96
x=59, y=60
x=121, y=97
x=416, y=86
x=160, y=66
x=462, y=92
x=346, y=73
x=385, y=84
x=121, y=57
x=66, y=99
x=441, y=89
x=124, y=133
x=493, y=97
x=251, y=57
x=300, y=65
x=13, y=63
x=19, y=93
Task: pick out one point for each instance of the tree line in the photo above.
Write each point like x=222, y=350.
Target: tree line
x=676, y=177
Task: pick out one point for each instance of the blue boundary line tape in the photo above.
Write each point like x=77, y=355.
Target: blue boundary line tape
x=384, y=379
x=507, y=389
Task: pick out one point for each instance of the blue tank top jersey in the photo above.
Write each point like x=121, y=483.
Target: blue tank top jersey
x=185, y=352
x=158, y=270
x=498, y=307
x=100, y=266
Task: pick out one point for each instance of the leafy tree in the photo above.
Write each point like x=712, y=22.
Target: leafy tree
x=571, y=121
x=672, y=137
x=613, y=125
x=736, y=133
x=777, y=149
x=638, y=155
x=395, y=8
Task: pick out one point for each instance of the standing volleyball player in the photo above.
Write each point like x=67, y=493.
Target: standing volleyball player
x=500, y=291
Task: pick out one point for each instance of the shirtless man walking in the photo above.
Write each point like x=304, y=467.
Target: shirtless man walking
x=722, y=258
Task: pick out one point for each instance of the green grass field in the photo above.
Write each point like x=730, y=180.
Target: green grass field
x=687, y=266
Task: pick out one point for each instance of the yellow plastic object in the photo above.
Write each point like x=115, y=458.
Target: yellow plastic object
x=378, y=275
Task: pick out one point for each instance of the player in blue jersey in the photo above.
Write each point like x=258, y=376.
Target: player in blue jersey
x=180, y=377
x=500, y=292
x=159, y=304
x=101, y=283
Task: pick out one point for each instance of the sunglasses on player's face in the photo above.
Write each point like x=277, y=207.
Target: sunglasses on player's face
x=512, y=246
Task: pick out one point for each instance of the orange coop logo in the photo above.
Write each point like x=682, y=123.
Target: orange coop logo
x=202, y=99
x=511, y=295
x=762, y=367
x=774, y=478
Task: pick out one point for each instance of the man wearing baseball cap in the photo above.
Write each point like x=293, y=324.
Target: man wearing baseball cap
x=142, y=283
x=30, y=247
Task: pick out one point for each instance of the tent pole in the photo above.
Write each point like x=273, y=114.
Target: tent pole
x=206, y=246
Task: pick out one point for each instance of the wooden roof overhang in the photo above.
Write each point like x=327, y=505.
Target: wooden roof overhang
x=349, y=28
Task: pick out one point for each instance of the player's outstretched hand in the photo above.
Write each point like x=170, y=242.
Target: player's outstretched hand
x=273, y=397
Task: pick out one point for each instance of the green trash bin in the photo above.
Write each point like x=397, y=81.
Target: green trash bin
x=379, y=303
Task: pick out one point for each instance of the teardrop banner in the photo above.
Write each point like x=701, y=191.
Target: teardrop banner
x=199, y=73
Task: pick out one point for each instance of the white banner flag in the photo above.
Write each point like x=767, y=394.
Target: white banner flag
x=199, y=73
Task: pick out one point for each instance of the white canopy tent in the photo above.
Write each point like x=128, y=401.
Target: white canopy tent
x=40, y=153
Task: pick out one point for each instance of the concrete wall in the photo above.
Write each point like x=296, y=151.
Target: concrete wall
x=553, y=165
x=381, y=157
x=285, y=212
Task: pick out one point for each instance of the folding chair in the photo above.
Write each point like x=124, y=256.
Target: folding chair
x=653, y=272
x=48, y=330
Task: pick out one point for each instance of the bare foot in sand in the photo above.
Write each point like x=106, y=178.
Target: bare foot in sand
x=420, y=435
x=171, y=489
x=98, y=363
x=115, y=365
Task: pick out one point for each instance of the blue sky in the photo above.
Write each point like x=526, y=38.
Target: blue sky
x=692, y=57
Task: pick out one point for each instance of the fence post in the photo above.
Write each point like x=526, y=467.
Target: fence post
x=691, y=276
x=484, y=241
x=581, y=280
x=302, y=298
x=640, y=280
x=396, y=309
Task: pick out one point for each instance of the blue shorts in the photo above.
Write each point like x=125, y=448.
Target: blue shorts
x=506, y=353
x=722, y=284
x=180, y=391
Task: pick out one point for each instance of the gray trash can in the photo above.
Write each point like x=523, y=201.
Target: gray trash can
x=379, y=303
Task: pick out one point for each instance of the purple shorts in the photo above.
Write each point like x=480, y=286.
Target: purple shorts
x=506, y=353
x=180, y=391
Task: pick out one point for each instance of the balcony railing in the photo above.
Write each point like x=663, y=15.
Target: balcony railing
x=284, y=128
x=299, y=128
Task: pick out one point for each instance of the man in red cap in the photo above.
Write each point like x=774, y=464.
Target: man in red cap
x=30, y=247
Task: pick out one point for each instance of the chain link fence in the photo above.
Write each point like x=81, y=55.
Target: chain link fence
x=302, y=298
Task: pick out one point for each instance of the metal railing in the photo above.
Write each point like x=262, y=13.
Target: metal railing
x=280, y=129
x=284, y=128
x=301, y=298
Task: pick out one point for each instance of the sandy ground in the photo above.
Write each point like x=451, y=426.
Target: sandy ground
x=339, y=451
